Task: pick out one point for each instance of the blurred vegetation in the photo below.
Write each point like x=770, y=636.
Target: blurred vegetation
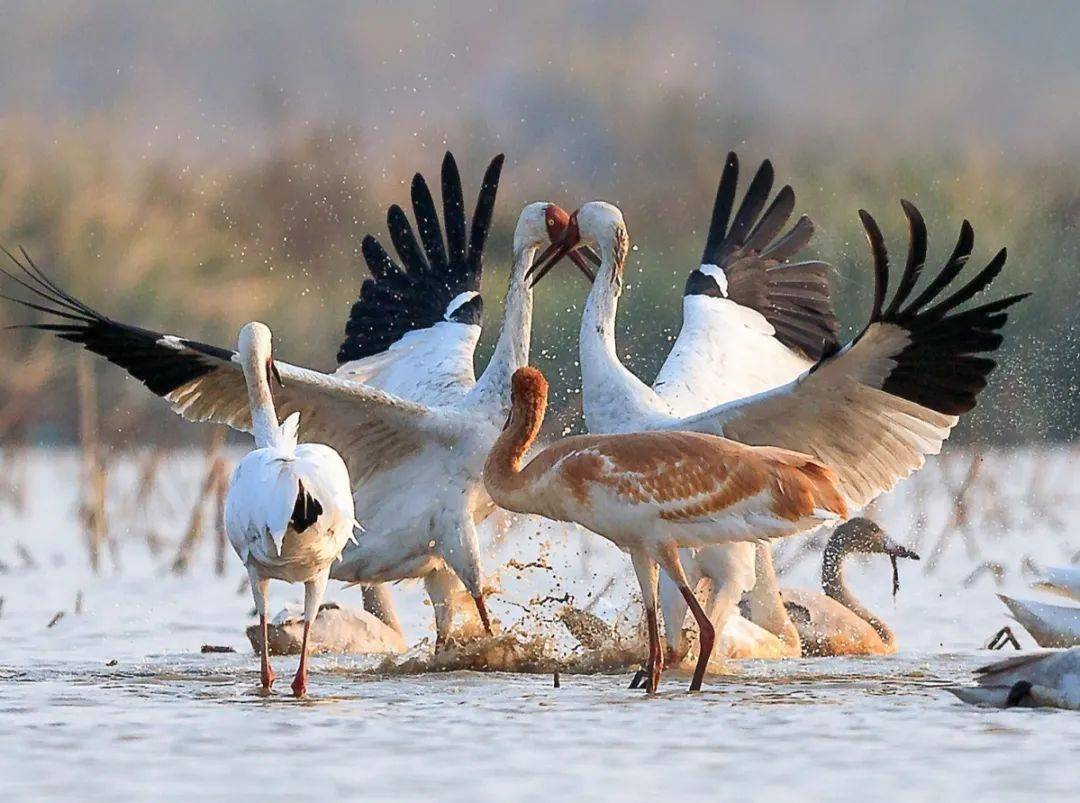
x=198, y=250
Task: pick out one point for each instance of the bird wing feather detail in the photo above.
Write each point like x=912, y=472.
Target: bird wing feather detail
x=874, y=409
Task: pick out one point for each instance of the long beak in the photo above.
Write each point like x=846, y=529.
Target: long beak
x=551, y=257
x=894, y=551
x=578, y=257
x=481, y=608
x=276, y=373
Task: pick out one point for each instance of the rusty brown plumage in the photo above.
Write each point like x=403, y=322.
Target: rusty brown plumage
x=689, y=476
x=651, y=492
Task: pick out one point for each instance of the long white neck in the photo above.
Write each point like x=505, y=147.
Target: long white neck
x=492, y=390
x=613, y=399
x=264, y=421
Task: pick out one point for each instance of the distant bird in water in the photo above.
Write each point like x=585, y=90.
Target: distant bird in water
x=1035, y=680
x=1061, y=580
x=653, y=492
x=1049, y=625
x=835, y=622
x=289, y=511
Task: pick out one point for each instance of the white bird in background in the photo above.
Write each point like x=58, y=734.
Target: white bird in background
x=1049, y=625
x=415, y=464
x=1035, y=680
x=289, y=510
x=752, y=320
x=1061, y=580
x=871, y=410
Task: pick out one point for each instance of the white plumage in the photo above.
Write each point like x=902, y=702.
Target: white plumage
x=404, y=410
x=262, y=497
x=871, y=410
x=289, y=510
x=1061, y=580
x=1035, y=680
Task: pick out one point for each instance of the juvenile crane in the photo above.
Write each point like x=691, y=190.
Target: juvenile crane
x=651, y=493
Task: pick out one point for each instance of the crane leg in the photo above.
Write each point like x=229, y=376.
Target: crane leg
x=669, y=556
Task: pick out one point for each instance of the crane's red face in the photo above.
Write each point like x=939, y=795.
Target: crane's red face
x=565, y=241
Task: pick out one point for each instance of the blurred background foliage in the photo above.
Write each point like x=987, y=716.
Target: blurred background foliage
x=193, y=167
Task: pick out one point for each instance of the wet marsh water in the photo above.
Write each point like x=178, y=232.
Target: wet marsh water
x=118, y=703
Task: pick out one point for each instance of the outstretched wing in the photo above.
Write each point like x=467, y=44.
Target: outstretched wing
x=752, y=319
x=371, y=429
x=874, y=409
x=415, y=326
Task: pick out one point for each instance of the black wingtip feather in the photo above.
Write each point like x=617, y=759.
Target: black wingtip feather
x=396, y=301
x=141, y=352
x=944, y=366
x=793, y=298
x=881, y=262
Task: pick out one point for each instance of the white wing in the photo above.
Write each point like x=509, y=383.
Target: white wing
x=432, y=366
x=260, y=500
x=876, y=408
x=751, y=319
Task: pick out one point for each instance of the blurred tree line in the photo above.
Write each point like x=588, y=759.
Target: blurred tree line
x=199, y=249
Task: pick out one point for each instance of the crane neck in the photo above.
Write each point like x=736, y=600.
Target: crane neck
x=264, y=420
x=614, y=399
x=502, y=471
x=835, y=586
x=512, y=348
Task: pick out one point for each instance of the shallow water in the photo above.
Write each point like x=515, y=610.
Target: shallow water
x=169, y=722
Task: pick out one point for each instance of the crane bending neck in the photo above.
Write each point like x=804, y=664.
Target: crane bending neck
x=512, y=349
x=264, y=421
x=834, y=585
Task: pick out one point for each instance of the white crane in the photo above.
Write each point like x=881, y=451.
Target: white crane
x=871, y=410
x=415, y=464
x=289, y=511
x=752, y=320
x=1046, y=679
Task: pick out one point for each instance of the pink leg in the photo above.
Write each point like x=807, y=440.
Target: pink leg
x=267, y=673
x=299, y=684
x=706, y=636
x=482, y=608
x=656, y=655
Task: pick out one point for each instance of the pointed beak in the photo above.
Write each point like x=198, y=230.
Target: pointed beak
x=565, y=240
x=276, y=374
x=894, y=551
x=581, y=256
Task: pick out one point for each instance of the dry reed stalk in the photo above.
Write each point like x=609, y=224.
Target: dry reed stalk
x=960, y=517
x=26, y=556
x=215, y=469
x=92, y=508
x=221, y=489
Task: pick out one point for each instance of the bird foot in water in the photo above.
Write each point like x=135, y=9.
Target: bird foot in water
x=1003, y=637
x=299, y=686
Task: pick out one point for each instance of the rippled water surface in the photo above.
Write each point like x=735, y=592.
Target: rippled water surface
x=118, y=703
